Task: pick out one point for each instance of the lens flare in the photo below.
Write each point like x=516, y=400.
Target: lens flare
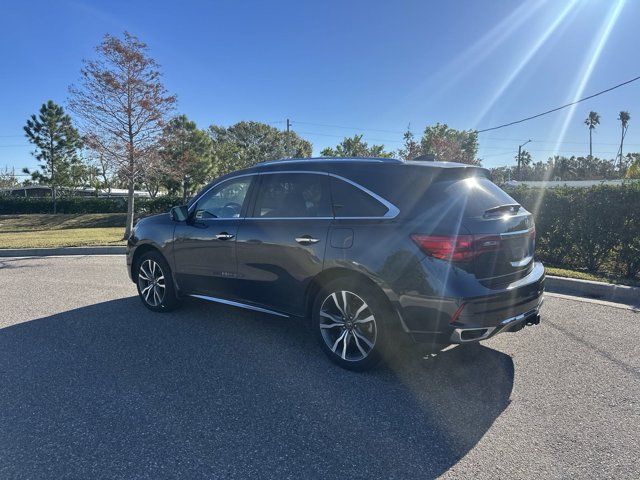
x=463, y=63
x=588, y=66
x=526, y=59
x=583, y=77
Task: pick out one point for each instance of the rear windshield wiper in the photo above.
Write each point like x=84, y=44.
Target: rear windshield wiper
x=509, y=208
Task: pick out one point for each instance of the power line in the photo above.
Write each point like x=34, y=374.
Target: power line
x=542, y=152
x=553, y=142
x=559, y=108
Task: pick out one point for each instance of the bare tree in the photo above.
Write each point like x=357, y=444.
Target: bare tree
x=100, y=162
x=123, y=105
x=8, y=178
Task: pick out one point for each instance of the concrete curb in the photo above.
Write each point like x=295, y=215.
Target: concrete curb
x=49, y=252
x=598, y=290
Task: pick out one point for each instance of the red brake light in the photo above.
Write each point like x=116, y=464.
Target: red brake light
x=456, y=248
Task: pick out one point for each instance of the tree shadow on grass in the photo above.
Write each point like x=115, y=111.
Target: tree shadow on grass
x=115, y=391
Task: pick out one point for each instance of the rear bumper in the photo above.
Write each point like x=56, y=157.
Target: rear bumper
x=511, y=324
x=485, y=313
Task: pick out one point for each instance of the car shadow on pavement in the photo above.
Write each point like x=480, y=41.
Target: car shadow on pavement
x=112, y=390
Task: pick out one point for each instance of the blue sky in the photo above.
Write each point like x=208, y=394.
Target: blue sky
x=377, y=66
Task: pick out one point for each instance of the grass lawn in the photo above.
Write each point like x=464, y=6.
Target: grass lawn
x=37, y=222
x=563, y=272
x=49, y=231
x=73, y=237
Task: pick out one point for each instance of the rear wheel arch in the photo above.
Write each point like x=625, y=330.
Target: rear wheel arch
x=327, y=276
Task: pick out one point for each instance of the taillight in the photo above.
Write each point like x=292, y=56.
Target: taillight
x=456, y=248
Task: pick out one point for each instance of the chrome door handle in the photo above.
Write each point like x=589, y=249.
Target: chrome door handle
x=224, y=236
x=306, y=240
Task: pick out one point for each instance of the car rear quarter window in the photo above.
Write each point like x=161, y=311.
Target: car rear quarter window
x=350, y=201
x=293, y=195
x=473, y=195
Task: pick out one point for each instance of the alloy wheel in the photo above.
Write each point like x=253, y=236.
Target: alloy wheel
x=151, y=281
x=348, y=325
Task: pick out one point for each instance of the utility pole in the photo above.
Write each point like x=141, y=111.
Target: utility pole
x=519, y=155
x=287, y=137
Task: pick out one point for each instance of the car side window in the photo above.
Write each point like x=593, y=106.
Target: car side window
x=293, y=195
x=350, y=201
x=225, y=200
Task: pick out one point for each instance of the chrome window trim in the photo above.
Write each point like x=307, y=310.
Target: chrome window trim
x=288, y=218
x=392, y=210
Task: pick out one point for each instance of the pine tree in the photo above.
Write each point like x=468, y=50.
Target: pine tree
x=57, y=143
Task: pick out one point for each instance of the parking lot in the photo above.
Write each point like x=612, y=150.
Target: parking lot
x=96, y=386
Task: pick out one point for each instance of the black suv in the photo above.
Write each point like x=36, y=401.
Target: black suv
x=368, y=249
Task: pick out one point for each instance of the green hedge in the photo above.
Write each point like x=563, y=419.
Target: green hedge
x=143, y=206
x=595, y=229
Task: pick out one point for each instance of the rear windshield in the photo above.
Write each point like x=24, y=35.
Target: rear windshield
x=474, y=195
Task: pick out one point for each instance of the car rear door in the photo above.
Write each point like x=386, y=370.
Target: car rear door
x=281, y=244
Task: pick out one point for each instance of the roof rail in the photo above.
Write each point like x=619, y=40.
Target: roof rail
x=331, y=159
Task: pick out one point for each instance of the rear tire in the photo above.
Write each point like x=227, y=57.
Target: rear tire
x=155, y=283
x=352, y=324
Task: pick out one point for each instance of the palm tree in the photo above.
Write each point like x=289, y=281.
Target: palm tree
x=624, y=118
x=592, y=121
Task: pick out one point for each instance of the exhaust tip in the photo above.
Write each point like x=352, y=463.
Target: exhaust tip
x=469, y=335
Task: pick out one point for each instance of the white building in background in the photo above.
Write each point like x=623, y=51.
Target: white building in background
x=36, y=191
x=565, y=183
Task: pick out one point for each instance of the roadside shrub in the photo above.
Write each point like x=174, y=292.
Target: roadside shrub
x=151, y=206
x=551, y=209
x=143, y=206
x=628, y=254
x=17, y=205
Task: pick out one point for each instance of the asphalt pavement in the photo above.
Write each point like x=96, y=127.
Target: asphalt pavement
x=93, y=385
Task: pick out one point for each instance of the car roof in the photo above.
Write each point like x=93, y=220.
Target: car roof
x=355, y=161
x=351, y=167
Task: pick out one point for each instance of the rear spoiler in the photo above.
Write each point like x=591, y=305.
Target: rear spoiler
x=508, y=208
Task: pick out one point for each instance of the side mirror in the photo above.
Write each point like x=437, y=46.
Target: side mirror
x=179, y=214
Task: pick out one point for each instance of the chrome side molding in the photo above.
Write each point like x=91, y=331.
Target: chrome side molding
x=238, y=304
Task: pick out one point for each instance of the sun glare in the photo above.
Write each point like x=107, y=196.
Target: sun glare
x=583, y=78
x=526, y=59
x=460, y=66
x=588, y=66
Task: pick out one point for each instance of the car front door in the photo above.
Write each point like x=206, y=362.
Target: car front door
x=205, y=245
x=281, y=243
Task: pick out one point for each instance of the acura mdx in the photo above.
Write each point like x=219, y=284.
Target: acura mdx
x=370, y=250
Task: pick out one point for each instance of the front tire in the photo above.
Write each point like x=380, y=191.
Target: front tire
x=155, y=284
x=352, y=324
